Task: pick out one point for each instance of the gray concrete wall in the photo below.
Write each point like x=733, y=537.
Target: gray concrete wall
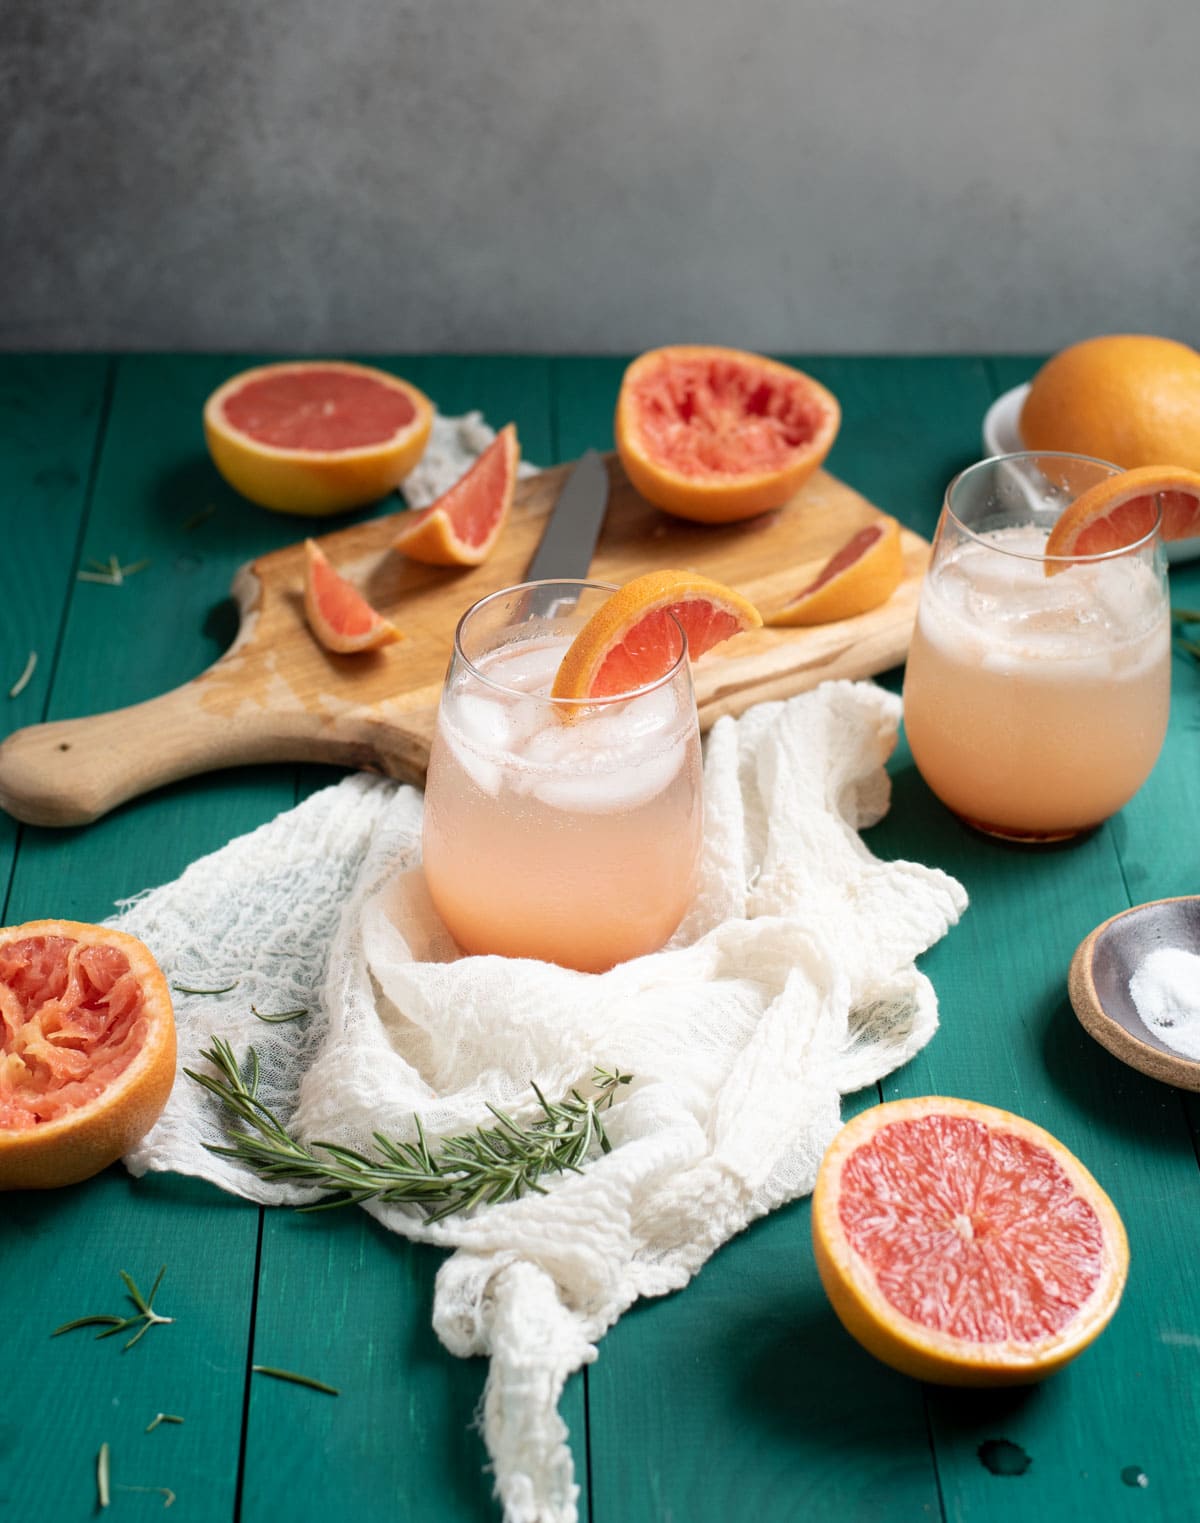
x=597, y=175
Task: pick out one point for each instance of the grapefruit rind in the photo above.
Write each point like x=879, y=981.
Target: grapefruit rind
x=654, y=594
x=308, y=482
x=81, y=1143
x=432, y=535
x=720, y=496
x=323, y=587
x=1119, y=512
x=926, y=1353
x=867, y=582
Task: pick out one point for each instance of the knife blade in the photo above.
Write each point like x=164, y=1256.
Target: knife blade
x=569, y=538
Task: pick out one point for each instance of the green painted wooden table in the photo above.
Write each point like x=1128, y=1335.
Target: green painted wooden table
x=740, y=1397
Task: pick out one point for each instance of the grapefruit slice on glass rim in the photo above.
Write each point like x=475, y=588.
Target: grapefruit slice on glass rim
x=717, y=435
x=964, y=1245
x=87, y=1050
x=338, y=614
x=860, y=576
x=463, y=525
x=1121, y=510
x=632, y=639
x=316, y=436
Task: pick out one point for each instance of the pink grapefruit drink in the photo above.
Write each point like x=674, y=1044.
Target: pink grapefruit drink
x=553, y=830
x=1036, y=705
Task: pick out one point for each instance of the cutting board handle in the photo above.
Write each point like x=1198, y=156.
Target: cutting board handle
x=71, y=771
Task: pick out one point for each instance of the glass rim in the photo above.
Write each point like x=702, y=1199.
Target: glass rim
x=583, y=584
x=1096, y=557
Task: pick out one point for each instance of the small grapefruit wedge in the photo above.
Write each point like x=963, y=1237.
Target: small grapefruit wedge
x=316, y=436
x=860, y=576
x=632, y=639
x=461, y=527
x=87, y=1050
x=964, y=1245
x=338, y=614
x=1120, y=510
x=717, y=435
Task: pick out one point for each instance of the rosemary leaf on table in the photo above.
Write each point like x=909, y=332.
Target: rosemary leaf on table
x=486, y=1166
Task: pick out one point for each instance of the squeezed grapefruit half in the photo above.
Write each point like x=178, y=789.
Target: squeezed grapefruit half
x=964, y=1245
x=316, y=436
x=717, y=435
x=87, y=1050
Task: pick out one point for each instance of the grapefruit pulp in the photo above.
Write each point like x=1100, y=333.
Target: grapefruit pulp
x=860, y=576
x=1121, y=510
x=462, y=526
x=717, y=435
x=1128, y=398
x=338, y=614
x=964, y=1245
x=87, y=1050
x=632, y=639
x=316, y=436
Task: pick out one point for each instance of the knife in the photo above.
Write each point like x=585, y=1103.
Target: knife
x=569, y=538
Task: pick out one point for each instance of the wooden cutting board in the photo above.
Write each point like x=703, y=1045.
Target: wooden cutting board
x=276, y=695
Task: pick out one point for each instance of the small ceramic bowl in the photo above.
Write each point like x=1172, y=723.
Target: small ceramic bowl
x=1098, y=984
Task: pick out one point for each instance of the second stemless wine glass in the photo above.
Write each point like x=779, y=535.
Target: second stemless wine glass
x=1037, y=688
x=566, y=833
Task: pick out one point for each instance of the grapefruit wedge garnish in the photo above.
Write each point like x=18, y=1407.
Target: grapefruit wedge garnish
x=1121, y=510
x=720, y=434
x=87, y=1050
x=461, y=527
x=632, y=639
x=860, y=576
x=338, y=614
x=316, y=436
x=965, y=1245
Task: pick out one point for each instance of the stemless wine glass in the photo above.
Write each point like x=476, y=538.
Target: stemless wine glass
x=552, y=830
x=1037, y=687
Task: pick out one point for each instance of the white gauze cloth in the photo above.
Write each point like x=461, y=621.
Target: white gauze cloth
x=790, y=983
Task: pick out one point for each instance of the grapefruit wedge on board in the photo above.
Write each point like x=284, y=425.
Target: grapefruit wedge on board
x=461, y=527
x=1121, y=510
x=717, y=435
x=338, y=614
x=316, y=436
x=964, y=1245
x=632, y=639
x=87, y=1050
x=860, y=576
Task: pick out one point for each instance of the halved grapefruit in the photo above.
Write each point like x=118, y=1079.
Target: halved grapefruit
x=964, y=1245
x=87, y=1050
x=632, y=639
x=720, y=434
x=461, y=527
x=1121, y=510
x=316, y=436
x=338, y=614
x=860, y=576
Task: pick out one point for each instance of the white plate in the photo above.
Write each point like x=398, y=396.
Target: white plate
x=1002, y=436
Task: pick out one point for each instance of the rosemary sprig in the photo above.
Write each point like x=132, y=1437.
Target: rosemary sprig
x=162, y=1417
x=489, y=1165
x=197, y=519
x=1186, y=615
x=102, y=1491
x=299, y=1380
x=279, y=1017
x=110, y=573
x=23, y=680
x=145, y=1314
x=186, y=989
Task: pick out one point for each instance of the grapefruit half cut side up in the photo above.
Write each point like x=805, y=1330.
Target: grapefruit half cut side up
x=87, y=1050
x=1121, y=510
x=632, y=639
x=338, y=614
x=860, y=576
x=463, y=525
x=717, y=435
x=964, y=1245
x=316, y=436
